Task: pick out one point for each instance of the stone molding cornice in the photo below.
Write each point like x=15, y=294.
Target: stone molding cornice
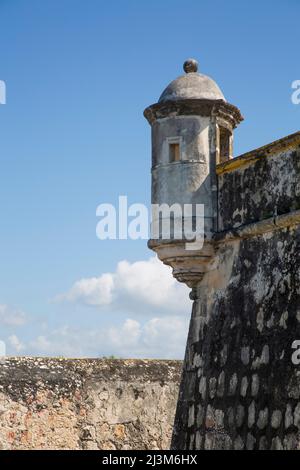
x=261, y=227
x=194, y=107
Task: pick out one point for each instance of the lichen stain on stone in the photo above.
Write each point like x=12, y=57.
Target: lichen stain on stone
x=252, y=313
x=87, y=403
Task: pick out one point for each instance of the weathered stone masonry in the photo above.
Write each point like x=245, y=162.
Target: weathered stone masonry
x=87, y=403
x=239, y=389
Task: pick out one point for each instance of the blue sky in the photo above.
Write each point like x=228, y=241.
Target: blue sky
x=78, y=76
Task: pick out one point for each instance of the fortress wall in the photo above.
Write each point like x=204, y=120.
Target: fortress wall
x=240, y=388
x=260, y=190
x=49, y=403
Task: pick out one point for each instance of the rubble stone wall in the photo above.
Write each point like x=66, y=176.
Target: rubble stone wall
x=87, y=403
x=240, y=386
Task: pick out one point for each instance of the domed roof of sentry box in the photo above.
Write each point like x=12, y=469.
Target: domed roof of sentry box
x=192, y=85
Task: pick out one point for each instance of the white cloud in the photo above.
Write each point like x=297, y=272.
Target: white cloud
x=92, y=291
x=127, y=336
x=11, y=317
x=157, y=338
x=63, y=341
x=15, y=343
x=140, y=287
x=157, y=306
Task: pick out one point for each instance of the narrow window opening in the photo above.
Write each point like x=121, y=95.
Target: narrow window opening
x=174, y=152
x=225, y=145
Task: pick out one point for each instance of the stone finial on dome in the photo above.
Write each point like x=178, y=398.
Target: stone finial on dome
x=192, y=85
x=190, y=66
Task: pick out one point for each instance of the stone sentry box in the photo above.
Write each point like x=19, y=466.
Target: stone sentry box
x=240, y=388
x=192, y=126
